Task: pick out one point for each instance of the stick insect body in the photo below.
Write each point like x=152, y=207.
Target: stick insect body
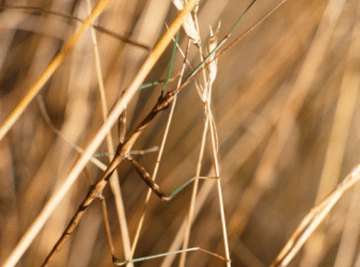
x=122, y=153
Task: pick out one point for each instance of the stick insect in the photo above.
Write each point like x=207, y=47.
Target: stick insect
x=124, y=148
x=122, y=153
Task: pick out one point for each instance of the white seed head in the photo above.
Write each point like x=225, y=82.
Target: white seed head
x=188, y=23
x=179, y=4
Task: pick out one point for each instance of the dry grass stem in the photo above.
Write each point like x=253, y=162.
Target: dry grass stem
x=314, y=218
x=49, y=71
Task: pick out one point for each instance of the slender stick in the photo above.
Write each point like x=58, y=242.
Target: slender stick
x=194, y=192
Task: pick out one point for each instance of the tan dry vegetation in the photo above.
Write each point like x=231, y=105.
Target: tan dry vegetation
x=285, y=105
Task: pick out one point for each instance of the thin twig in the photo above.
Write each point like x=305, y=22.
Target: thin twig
x=191, y=211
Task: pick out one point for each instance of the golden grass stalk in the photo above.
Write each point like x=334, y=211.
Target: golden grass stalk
x=50, y=69
x=350, y=236
x=313, y=219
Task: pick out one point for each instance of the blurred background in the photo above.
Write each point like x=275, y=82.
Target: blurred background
x=285, y=103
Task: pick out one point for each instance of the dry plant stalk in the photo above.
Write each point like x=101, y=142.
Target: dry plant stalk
x=313, y=219
x=209, y=75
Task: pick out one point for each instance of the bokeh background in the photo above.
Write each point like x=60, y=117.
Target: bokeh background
x=285, y=103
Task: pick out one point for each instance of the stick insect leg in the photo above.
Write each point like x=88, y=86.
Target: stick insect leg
x=107, y=227
x=93, y=193
x=122, y=124
x=101, y=197
x=145, y=175
x=193, y=249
